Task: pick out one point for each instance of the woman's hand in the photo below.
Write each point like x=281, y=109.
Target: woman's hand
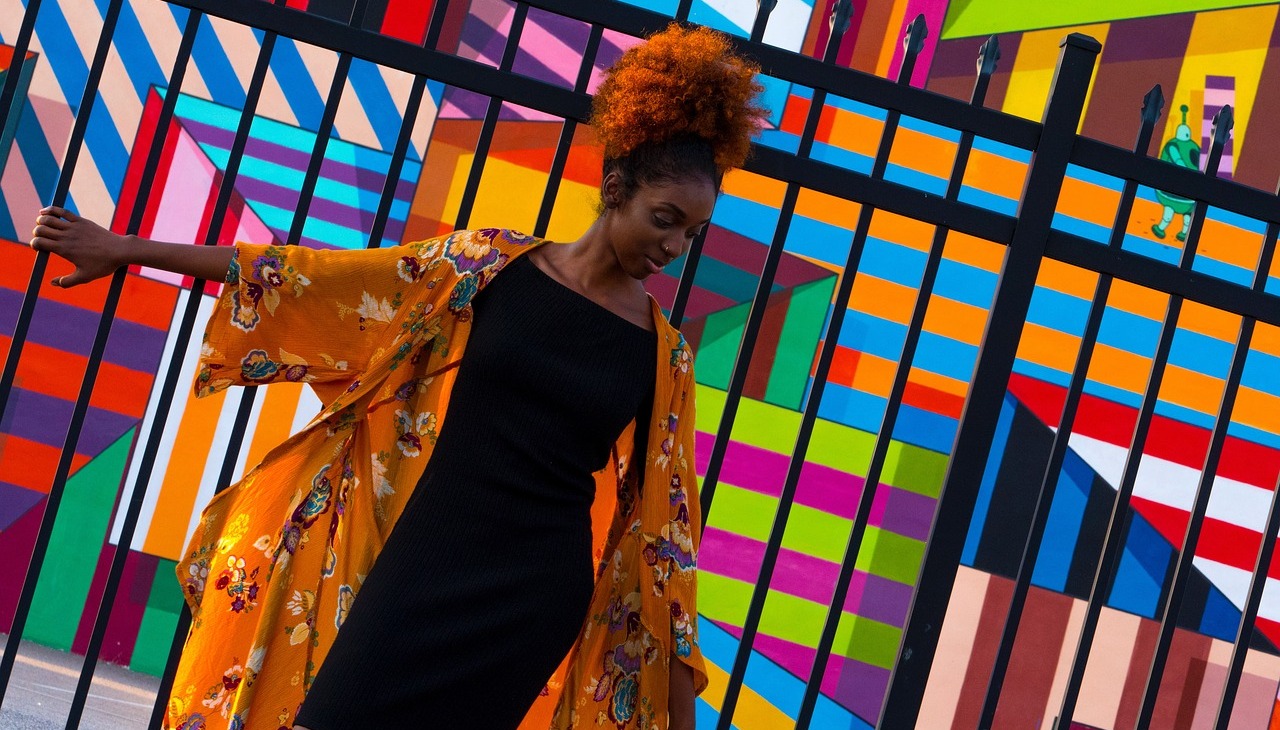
x=97, y=252
x=92, y=249
x=680, y=705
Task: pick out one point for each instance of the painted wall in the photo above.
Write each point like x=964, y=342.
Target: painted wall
x=1216, y=44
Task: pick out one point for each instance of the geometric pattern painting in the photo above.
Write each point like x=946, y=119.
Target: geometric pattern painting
x=1204, y=55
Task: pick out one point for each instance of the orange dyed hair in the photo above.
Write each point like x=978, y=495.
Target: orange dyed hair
x=681, y=82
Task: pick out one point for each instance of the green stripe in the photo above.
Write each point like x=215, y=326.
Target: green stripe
x=810, y=531
x=721, y=336
x=159, y=619
x=890, y=555
x=79, y=529
x=801, y=330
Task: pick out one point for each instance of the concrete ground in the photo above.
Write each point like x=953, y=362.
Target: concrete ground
x=44, y=680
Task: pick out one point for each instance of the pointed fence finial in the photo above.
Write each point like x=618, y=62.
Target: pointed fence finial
x=1153, y=105
x=988, y=56
x=841, y=16
x=913, y=41
x=1223, y=122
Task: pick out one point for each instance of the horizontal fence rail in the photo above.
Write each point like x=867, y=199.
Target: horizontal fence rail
x=1029, y=238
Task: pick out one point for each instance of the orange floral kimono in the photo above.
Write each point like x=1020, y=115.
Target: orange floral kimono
x=278, y=558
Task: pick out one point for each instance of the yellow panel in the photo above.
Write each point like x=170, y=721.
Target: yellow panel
x=1033, y=68
x=177, y=497
x=1223, y=43
x=275, y=419
x=574, y=211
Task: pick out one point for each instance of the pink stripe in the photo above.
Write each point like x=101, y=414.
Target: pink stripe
x=738, y=557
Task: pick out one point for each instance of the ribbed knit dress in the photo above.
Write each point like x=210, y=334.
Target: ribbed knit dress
x=484, y=583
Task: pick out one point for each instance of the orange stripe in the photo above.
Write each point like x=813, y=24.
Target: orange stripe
x=939, y=383
x=1067, y=279
x=884, y=299
x=854, y=132
x=901, y=230
x=1229, y=244
x=1257, y=409
x=757, y=188
x=1138, y=300
x=1119, y=368
x=976, y=252
x=827, y=208
x=32, y=465
x=957, y=320
x=923, y=152
x=1088, y=202
x=182, y=477
x=1266, y=338
x=1191, y=389
x=275, y=419
x=58, y=373
x=874, y=375
x=995, y=174
x=1209, y=321
x=1048, y=347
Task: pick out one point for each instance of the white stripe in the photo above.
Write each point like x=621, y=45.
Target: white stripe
x=352, y=121
x=309, y=406
x=254, y=412
x=788, y=24
x=165, y=448
x=165, y=35
x=10, y=20
x=240, y=46
x=206, y=488
x=21, y=198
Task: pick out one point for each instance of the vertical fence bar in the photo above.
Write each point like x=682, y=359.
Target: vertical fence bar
x=21, y=44
x=81, y=408
x=913, y=42
x=567, y=131
x=1112, y=544
x=1152, y=104
x=839, y=23
x=990, y=382
x=490, y=124
x=689, y=270
x=408, y=121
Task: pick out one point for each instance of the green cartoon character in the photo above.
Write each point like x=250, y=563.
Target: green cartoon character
x=1183, y=152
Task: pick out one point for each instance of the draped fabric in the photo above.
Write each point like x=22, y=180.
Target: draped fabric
x=278, y=558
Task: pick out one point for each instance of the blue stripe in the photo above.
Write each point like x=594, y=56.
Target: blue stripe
x=870, y=334
x=775, y=95
x=1017, y=154
x=1062, y=530
x=1093, y=177
x=964, y=283
x=840, y=157
x=926, y=429
x=1222, y=270
x=1201, y=353
x=376, y=102
x=818, y=240
x=1256, y=435
x=944, y=356
x=299, y=88
x=779, y=140
x=916, y=124
x=1143, y=565
x=1129, y=332
x=1085, y=229
x=135, y=51
x=987, y=488
x=746, y=218
x=988, y=201
x=211, y=59
x=1261, y=372
x=1232, y=218
x=850, y=407
x=62, y=53
x=1058, y=311
x=1153, y=249
x=915, y=179
x=41, y=163
x=893, y=262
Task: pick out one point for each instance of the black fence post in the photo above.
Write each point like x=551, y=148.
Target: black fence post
x=990, y=382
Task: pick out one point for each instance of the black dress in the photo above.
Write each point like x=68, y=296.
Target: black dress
x=484, y=583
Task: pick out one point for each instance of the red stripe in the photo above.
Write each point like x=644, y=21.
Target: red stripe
x=407, y=19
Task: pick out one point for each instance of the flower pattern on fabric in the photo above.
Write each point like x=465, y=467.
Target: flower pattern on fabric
x=318, y=508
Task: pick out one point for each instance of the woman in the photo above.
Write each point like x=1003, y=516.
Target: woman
x=528, y=541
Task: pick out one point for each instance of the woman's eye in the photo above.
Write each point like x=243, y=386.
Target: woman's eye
x=661, y=222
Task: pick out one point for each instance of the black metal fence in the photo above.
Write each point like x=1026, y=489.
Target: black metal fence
x=1030, y=238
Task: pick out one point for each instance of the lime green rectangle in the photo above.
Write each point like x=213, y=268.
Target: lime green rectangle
x=890, y=555
x=985, y=17
x=751, y=514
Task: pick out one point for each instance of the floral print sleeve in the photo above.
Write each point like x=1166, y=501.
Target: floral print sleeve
x=291, y=313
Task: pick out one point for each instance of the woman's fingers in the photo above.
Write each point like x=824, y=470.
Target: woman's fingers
x=59, y=212
x=53, y=221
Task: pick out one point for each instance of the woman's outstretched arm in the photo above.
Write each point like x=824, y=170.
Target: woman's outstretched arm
x=97, y=252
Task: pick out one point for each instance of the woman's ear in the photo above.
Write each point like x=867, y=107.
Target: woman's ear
x=611, y=190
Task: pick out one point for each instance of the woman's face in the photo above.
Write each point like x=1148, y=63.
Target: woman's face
x=657, y=222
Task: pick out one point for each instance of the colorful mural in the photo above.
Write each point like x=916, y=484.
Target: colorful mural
x=1205, y=56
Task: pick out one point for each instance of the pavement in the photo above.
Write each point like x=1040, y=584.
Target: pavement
x=44, y=680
